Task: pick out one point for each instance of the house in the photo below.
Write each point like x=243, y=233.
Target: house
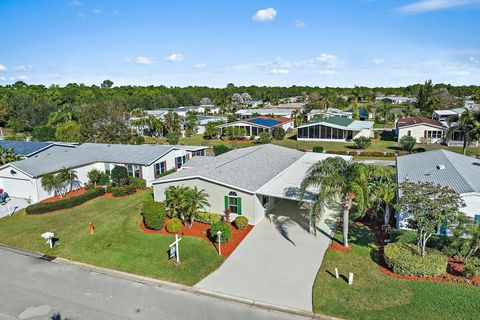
x=396, y=100
x=250, y=113
x=254, y=126
x=446, y=168
x=203, y=121
x=26, y=149
x=331, y=112
x=423, y=129
x=363, y=114
x=335, y=129
x=455, y=137
x=22, y=179
x=248, y=181
x=293, y=105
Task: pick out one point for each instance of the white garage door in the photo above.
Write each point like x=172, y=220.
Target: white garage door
x=17, y=188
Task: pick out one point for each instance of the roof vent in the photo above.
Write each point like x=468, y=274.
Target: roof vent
x=441, y=167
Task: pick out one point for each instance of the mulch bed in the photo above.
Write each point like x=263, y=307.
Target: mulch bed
x=339, y=247
x=454, y=272
x=200, y=230
x=74, y=193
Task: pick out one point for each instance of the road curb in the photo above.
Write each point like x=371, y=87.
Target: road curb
x=169, y=285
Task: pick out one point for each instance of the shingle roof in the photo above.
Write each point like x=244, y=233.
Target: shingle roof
x=25, y=148
x=246, y=168
x=459, y=172
x=418, y=120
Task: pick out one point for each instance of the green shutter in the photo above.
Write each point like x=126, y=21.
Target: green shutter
x=239, y=205
x=226, y=203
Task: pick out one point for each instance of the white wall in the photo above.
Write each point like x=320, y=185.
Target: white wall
x=418, y=132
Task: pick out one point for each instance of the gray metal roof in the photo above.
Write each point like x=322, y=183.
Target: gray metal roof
x=459, y=172
x=246, y=168
x=52, y=161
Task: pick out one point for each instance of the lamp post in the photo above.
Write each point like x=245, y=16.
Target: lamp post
x=219, y=235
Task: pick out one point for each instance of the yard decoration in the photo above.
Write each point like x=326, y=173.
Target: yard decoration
x=49, y=237
x=91, y=228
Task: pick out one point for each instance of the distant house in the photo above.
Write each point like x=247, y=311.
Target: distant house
x=455, y=137
x=250, y=113
x=28, y=149
x=424, y=130
x=203, y=121
x=336, y=129
x=330, y=112
x=363, y=114
x=448, y=169
x=254, y=126
x=295, y=106
x=396, y=100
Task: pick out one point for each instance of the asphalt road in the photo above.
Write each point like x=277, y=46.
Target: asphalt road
x=32, y=288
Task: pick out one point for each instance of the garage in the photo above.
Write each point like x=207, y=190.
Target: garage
x=18, y=188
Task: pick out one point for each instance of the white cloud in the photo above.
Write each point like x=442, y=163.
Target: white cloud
x=2, y=68
x=3, y=78
x=175, y=57
x=200, y=66
x=144, y=60
x=378, y=61
x=22, y=68
x=19, y=78
x=473, y=59
x=265, y=15
x=279, y=71
x=326, y=72
x=299, y=24
x=433, y=5
x=97, y=11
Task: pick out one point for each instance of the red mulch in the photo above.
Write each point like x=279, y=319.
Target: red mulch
x=200, y=230
x=454, y=272
x=74, y=193
x=339, y=247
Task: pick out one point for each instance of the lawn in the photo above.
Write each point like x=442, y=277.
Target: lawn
x=117, y=243
x=375, y=295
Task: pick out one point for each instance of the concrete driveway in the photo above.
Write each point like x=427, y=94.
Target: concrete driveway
x=12, y=206
x=278, y=261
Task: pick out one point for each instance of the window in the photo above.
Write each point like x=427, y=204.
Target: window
x=233, y=203
x=434, y=134
x=409, y=133
x=160, y=168
x=198, y=153
x=178, y=162
x=133, y=170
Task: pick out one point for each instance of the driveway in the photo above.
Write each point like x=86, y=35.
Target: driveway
x=12, y=206
x=278, y=261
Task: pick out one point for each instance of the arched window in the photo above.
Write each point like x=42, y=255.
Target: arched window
x=232, y=194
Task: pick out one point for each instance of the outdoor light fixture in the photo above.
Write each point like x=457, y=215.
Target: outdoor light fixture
x=13, y=172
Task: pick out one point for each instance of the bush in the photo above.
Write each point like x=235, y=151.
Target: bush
x=278, y=133
x=341, y=152
x=377, y=134
x=265, y=137
x=362, y=142
x=240, y=222
x=207, y=218
x=65, y=203
x=172, y=138
x=472, y=267
x=119, y=191
x=371, y=153
x=139, y=140
x=94, y=176
x=138, y=183
x=317, y=149
x=88, y=186
x=153, y=213
x=104, y=179
x=119, y=176
x=109, y=188
x=166, y=173
x=219, y=149
x=404, y=259
x=407, y=143
x=174, y=225
x=420, y=149
x=224, y=228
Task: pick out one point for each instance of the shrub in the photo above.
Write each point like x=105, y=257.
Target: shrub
x=219, y=149
x=119, y=176
x=240, y=222
x=224, y=228
x=341, y=152
x=472, y=267
x=139, y=140
x=377, y=134
x=265, y=137
x=278, y=133
x=154, y=214
x=362, y=142
x=104, y=179
x=138, y=183
x=94, y=176
x=174, y=225
x=88, y=186
x=65, y=203
x=109, y=188
x=173, y=137
x=420, y=149
x=317, y=149
x=208, y=218
x=407, y=143
x=119, y=191
x=131, y=189
x=371, y=153
x=404, y=259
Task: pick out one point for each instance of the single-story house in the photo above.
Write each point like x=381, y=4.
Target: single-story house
x=203, y=121
x=330, y=112
x=256, y=125
x=22, y=179
x=396, y=100
x=26, y=149
x=250, y=113
x=446, y=168
x=423, y=129
x=335, y=129
x=363, y=114
x=248, y=181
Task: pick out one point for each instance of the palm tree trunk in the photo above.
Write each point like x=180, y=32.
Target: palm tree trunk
x=387, y=214
x=345, y=226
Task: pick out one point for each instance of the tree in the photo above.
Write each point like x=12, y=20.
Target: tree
x=384, y=192
x=191, y=119
x=383, y=112
x=106, y=84
x=7, y=156
x=278, y=133
x=468, y=234
x=211, y=130
x=467, y=124
x=430, y=206
x=173, y=138
x=205, y=101
x=119, y=176
x=176, y=201
x=172, y=122
x=337, y=179
x=68, y=132
x=67, y=176
x=50, y=183
x=409, y=111
x=424, y=97
x=94, y=176
x=195, y=200
x=407, y=143
x=265, y=137
x=362, y=142
x=297, y=116
x=43, y=133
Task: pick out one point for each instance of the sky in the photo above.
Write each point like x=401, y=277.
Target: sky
x=216, y=42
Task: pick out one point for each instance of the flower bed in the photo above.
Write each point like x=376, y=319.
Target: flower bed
x=74, y=193
x=200, y=230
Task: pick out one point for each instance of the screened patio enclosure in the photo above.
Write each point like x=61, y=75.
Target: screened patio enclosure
x=324, y=132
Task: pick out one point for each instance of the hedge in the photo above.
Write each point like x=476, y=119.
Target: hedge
x=153, y=213
x=44, y=207
x=207, y=218
x=240, y=222
x=472, y=267
x=138, y=183
x=224, y=228
x=403, y=258
x=317, y=149
x=123, y=191
x=174, y=225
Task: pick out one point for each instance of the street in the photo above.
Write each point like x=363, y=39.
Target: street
x=33, y=288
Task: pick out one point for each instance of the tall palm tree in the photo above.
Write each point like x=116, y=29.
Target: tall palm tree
x=337, y=179
x=384, y=192
x=49, y=183
x=176, y=201
x=409, y=111
x=297, y=117
x=195, y=200
x=67, y=176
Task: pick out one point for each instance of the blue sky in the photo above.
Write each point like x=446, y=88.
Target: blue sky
x=214, y=42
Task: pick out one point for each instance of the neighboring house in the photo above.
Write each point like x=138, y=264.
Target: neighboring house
x=250, y=113
x=331, y=112
x=446, y=168
x=295, y=106
x=203, y=121
x=335, y=129
x=27, y=149
x=247, y=181
x=396, y=100
x=424, y=130
x=255, y=126
x=363, y=114
x=22, y=179
x=455, y=137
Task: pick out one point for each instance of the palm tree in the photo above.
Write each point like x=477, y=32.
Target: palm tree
x=195, y=200
x=467, y=124
x=297, y=117
x=384, y=192
x=67, y=176
x=409, y=111
x=49, y=183
x=336, y=179
x=176, y=201
x=7, y=156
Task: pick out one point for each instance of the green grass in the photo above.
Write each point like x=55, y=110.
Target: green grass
x=117, y=243
x=375, y=295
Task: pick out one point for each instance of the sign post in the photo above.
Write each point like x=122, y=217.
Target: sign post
x=174, y=249
x=219, y=235
x=350, y=278
x=336, y=273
